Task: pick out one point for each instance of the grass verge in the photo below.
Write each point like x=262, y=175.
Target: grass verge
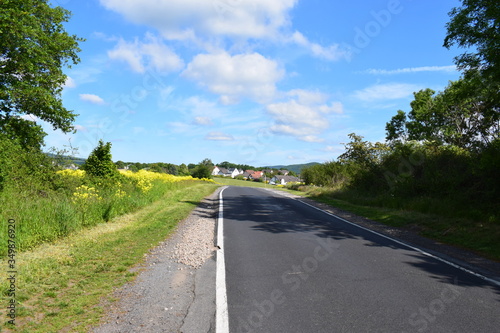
x=60, y=286
x=480, y=237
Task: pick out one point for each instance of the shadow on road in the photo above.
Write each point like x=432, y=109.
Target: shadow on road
x=276, y=214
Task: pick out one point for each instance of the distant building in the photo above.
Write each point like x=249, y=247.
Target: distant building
x=219, y=171
x=283, y=180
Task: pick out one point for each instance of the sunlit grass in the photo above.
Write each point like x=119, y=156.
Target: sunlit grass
x=64, y=285
x=80, y=202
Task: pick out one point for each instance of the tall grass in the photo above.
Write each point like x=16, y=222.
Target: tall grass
x=67, y=285
x=78, y=202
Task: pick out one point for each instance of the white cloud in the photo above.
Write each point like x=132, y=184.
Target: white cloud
x=80, y=128
x=30, y=117
x=70, y=83
x=219, y=136
x=333, y=52
x=185, y=19
x=86, y=73
x=412, y=70
x=386, y=91
x=308, y=97
x=138, y=130
x=232, y=77
x=180, y=127
x=203, y=121
x=209, y=22
x=304, y=117
x=91, y=98
x=151, y=53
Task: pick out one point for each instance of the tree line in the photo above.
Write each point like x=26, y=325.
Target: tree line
x=446, y=148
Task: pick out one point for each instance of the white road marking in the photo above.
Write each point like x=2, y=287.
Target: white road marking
x=222, y=318
x=495, y=282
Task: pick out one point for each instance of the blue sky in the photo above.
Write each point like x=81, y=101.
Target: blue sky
x=254, y=82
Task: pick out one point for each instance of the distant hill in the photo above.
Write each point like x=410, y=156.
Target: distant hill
x=74, y=160
x=297, y=168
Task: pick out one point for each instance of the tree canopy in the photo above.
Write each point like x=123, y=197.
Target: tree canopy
x=457, y=116
x=476, y=25
x=34, y=49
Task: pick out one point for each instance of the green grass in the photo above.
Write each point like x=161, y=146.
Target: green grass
x=478, y=236
x=46, y=216
x=64, y=286
x=236, y=182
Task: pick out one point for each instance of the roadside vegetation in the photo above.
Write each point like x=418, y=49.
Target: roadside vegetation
x=67, y=285
x=442, y=157
x=78, y=232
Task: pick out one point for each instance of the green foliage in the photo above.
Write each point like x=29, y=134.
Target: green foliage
x=396, y=129
x=459, y=116
x=331, y=174
x=362, y=153
x=228, y=165
x=202, y=171
x=25, y=169
x=99, y=163
x=476, y=25
x=34, y=48
x=183, y=170
x=464, y=180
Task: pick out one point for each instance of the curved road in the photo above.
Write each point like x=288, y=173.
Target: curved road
x=293, y=268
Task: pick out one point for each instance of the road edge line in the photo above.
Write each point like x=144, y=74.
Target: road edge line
x=221, y=312
x=414, y=248
x=485, y=278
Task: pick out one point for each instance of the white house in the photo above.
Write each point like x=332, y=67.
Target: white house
x=215, y=171
x=233, y=172
x=219, y=171
x=283, y=180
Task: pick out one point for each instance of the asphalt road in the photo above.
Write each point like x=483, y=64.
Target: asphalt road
x=292, y=268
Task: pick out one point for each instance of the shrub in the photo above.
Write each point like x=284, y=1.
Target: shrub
x=99, y=163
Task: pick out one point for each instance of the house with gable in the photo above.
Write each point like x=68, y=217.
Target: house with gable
x=256, y=175
x=220, y=171
x=215, y=171
x=233, y=172
x=283, y=180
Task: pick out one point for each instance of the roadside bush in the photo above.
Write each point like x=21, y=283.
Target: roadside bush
x=330, y=174
x=99, y=164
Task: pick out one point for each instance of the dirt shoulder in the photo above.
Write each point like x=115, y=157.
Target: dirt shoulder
x=175, y=289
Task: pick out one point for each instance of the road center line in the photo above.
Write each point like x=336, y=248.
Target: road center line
x=221, y=314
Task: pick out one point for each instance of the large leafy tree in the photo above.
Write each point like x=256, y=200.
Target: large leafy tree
x=34, y=49
x=457, y=116
x=476, y=25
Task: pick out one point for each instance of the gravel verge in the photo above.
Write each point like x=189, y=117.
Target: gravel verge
x=175, y=288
